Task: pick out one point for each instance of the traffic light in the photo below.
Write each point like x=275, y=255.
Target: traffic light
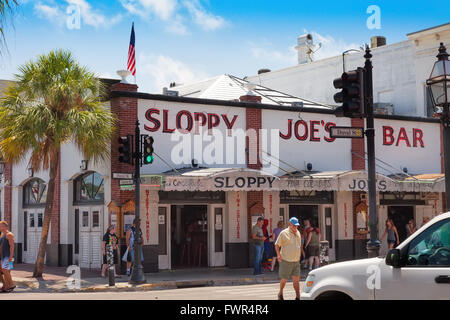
x=352, y=94
x=125, y=150
x=148, y=149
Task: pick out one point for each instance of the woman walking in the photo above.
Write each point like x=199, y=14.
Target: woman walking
x=392, y=234
x=312, y=247
x=276, y=233
x=110, y=239
x=410, y=228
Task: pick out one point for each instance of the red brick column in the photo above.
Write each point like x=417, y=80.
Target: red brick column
x=253, y=122
x=126, y=112
x=358, y=148
x=7, y=176
x=358, y=163
x=56, y=208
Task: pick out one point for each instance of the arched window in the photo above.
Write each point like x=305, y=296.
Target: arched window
x=89, y=188
x=35, y=193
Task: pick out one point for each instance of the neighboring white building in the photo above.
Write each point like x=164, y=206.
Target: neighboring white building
x=400, y=71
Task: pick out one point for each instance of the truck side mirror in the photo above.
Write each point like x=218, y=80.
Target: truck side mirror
x=393, y=258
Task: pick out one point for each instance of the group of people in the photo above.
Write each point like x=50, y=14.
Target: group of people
x=7, y=258
x=290, y=245
x=111, y=241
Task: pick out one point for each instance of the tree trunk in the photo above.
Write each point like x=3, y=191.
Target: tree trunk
x=39, y=266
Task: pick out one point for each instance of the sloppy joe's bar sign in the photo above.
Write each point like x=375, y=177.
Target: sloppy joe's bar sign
x=242, y=181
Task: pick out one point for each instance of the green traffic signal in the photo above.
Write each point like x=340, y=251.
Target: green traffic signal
x=148, y=150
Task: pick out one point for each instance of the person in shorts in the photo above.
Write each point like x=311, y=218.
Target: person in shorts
x=7, y=256
x=288, y=247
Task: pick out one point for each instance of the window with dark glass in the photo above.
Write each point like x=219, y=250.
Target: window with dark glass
x=34, y=193
x=89, y=188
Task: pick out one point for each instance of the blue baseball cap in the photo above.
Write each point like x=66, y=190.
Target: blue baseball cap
x=294, y=221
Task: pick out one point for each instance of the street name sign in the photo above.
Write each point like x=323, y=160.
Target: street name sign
x=126, y=176
x=347, y=132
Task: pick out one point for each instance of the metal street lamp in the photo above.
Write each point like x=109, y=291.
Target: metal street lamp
x=439, y=90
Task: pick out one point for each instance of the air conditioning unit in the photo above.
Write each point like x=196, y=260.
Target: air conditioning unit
x=383, y=108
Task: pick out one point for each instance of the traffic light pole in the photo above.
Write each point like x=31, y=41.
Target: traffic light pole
x=137, y=275
x=373, y=246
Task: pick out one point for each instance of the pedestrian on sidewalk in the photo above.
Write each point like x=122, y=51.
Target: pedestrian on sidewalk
x=7, y=257
x=288, y=248
x=258, y=245
x=110, y=240
x=312, y=246
x=276, y=233
x=392, y=234
x=129, y=253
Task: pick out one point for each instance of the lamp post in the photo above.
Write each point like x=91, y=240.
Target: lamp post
x=2, y=168
x=439, y=90
x=373, y=246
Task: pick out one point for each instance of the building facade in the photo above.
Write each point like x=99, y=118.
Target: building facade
x=218, y=166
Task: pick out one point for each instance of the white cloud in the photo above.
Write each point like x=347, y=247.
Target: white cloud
x=174, y=12
x=49, y=12
x=89, y=16
x=163, y=9
x=206, y=20
x=264, y=52
x=330, y=46
x=157, y=71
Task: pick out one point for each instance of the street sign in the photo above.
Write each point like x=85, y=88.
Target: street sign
x=347, y=132
x=127, y=176
x=124, y=182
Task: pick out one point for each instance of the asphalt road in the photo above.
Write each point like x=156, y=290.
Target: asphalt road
x=248, y=292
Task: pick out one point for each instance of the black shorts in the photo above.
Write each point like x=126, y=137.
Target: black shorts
x=115, y=258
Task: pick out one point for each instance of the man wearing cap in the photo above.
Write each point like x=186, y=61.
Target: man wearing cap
x=258, y=245
x=288, y=247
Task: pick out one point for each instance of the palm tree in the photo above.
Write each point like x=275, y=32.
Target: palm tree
x=53, y=101
x=6, y=7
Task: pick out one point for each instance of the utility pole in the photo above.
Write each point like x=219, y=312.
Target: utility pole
x=373, y=246
x=137, y=274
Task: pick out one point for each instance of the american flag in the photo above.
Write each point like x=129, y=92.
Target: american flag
x=132, y=54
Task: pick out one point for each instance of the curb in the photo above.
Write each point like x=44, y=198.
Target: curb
x=60, y=287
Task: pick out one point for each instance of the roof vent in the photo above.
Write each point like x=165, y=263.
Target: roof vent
x=171, y=93
x=377, y=41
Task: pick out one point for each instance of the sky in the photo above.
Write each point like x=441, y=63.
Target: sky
x=184, y=41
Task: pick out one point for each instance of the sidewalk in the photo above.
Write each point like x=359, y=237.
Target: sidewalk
x=55, y=279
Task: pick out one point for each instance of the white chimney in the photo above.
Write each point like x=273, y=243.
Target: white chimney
x=305, y=48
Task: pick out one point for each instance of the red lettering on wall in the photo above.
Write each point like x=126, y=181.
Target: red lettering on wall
x=156, y=122
x=200, y=121
x=328, y=127
x=213, y=121
x=288, y=135
x=403, y=136
x=314, y=130
x=166, y=122
x=418, y=138
x=228, y=123
x=188, y=116
x=305, y=134
x=388, y=136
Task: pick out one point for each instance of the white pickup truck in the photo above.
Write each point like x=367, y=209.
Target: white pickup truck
x=419, y=268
